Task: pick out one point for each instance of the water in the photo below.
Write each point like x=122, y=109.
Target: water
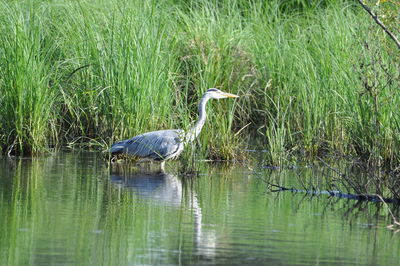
x=70, y=209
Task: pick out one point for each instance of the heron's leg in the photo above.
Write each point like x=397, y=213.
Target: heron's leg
x=162, y=168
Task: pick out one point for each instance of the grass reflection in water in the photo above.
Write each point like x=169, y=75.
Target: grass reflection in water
x=71, y=209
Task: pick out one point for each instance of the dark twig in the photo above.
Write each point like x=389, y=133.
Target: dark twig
x=341, y=175
x=76, y=70
x=336, y=193
x=391, y=213
x=380, y=23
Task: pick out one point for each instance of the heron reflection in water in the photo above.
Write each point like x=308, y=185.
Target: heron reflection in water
x=163, y=188
x=168, y=144
x=158, y=186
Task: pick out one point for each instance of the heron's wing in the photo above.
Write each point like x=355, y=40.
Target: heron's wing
x=156, y=145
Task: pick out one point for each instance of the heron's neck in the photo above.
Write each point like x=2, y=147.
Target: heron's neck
x=196, y=129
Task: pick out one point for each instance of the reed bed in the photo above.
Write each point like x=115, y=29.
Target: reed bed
x=314, y=78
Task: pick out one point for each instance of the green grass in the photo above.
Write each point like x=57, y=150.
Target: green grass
x=88, y=72
x=316, y=99
x=29, y=80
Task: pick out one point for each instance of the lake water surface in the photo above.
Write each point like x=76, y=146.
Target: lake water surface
x=71, y=209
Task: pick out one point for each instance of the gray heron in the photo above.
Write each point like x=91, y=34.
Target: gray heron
x=163, y=145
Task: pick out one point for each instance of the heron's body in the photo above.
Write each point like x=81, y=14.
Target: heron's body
x=158, y=145
x=163, y=145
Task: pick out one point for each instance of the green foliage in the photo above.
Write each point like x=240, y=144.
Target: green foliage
x=315, y=98
x=88, y=72
x=29, y=79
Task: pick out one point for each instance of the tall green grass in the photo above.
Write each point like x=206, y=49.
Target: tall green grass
x=29, y=79
x=80, y=72
x=317, y=101
x=124, y=84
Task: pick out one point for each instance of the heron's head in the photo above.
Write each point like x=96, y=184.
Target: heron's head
x=218, y=94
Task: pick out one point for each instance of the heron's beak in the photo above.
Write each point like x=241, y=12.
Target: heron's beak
x=230, y=95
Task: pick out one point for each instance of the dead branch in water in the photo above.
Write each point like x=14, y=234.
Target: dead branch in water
x=337, y=193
